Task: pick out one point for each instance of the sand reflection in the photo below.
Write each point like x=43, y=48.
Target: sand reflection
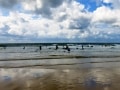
x=65, y=79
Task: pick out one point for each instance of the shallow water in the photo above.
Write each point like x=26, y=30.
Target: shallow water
x=94, y=68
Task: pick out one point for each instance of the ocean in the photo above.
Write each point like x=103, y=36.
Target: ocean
x=60, y=67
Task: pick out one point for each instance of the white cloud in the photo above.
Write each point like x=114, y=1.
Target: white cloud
x=39, y=28
x=107, y=1
x=105, y=23
x=115, y=3
x=106, y=15
x=62, y=19
x=66, y=21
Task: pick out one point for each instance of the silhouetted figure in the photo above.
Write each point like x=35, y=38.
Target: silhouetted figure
x=92, y=46
x=88, y=46
x=67, y=48
x=77, y=48
x=56, y=47
x=82, y=47
x=24, y=47
x=40, y=47
x=49, y=48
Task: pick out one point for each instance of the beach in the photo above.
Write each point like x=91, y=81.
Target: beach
x=97, y=67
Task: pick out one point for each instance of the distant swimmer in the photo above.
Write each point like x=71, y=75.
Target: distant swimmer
x=24, y=47
x=67, y=48
x=40, y=47
x=91, y=45
x=82, y=47
x=56, y=47
x=77, y=48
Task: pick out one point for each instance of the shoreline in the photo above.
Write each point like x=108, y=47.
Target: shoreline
x=60, y=57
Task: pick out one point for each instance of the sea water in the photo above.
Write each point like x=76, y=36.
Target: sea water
x=95, y=67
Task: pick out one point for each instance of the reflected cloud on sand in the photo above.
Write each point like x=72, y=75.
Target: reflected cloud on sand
x=60, y=79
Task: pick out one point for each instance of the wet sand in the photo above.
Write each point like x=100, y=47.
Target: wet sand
x=60, y=79
x=87, y=75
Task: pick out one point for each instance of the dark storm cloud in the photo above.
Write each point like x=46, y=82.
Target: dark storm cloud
x=8, y=3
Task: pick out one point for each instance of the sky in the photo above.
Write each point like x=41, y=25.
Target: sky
x=59, y=21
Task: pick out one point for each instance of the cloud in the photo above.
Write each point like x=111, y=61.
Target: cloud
x=107, y=1
x=105, y=24
x=115, y=3
x=58, y=20
x=80, y=23
x=28, y=27
x=72, y=16
x=40, y=28
x=8, y=3
x=106, y=15
x=42, y=7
